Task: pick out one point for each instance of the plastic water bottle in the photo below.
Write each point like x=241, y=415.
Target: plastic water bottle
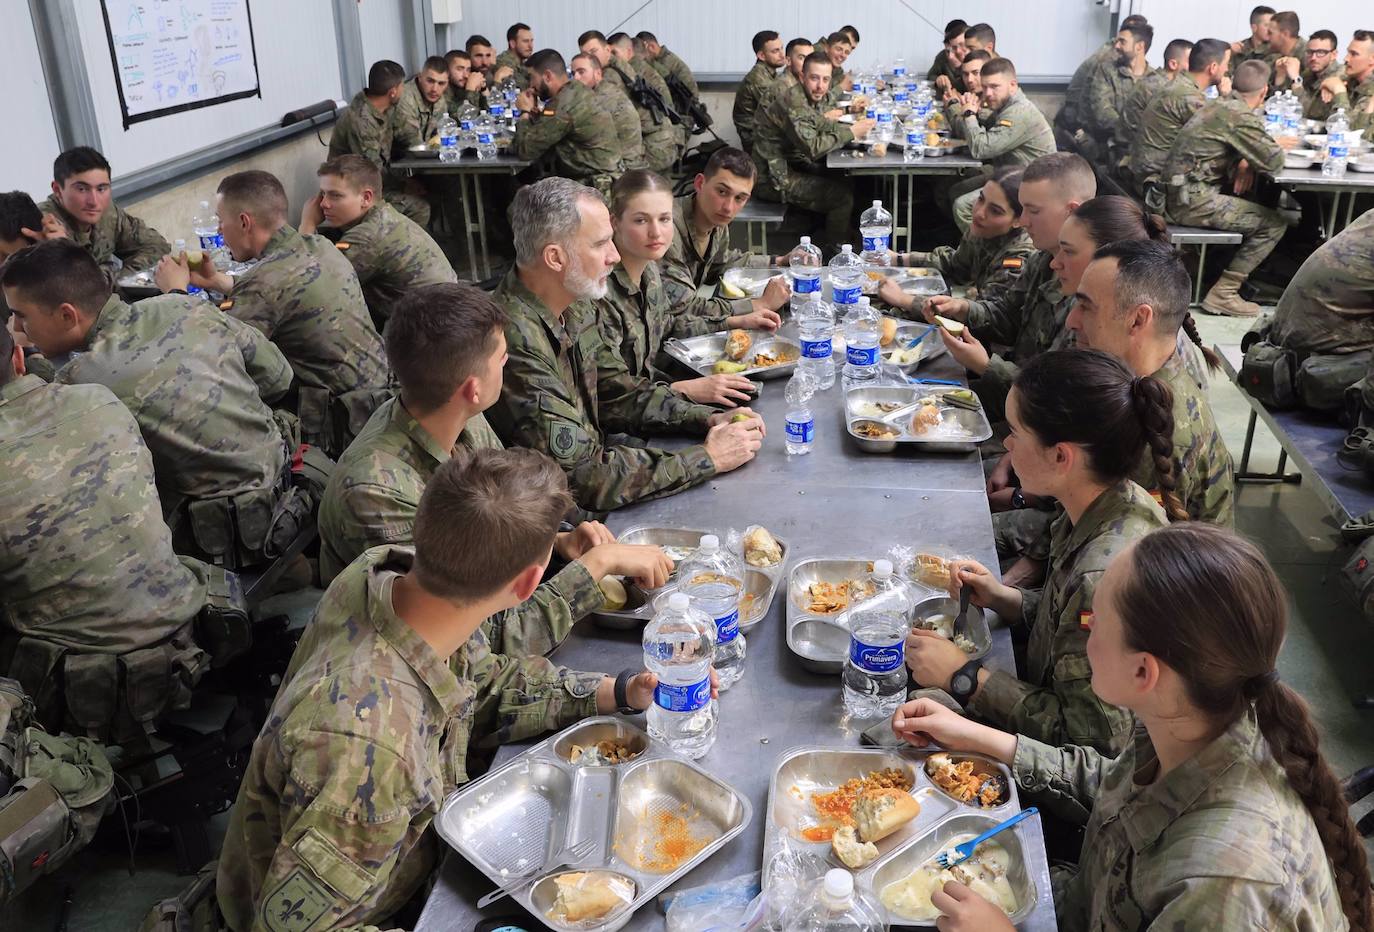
x=1273, y=117
x=816, y=326
x=713, y=578
x=678, y=646
x=915, y=132
x=901, y=99
x=1337, y=145
x=206, y=227
x=805, y=265
x=448, y=139
x=801, y=424
x=846, y=272
x=862, y=334
x=875, y=671
x=467, y=126
x=875, y=226
x=883, y=114
x=837, y=905
x=899, y=68
x=486, y=139
x=1292, y=114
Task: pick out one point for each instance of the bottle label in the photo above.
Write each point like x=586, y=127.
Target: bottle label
x=873, y=659
x=484, y=139
x=847, y=295
x=465, y=126
x=800, y=431
x=915, y=138
x=860, y=356
x=1337, y=152
x=686, y=698
x=209, y=241
x=900, y=95
x=885, y=116
x=815, y=349
x=498, y=110
x=448, y=141
x=899, y=71
x=727, y=628
x=806, y=285
x=875, y=243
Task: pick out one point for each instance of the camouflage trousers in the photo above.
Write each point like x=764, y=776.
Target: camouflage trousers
x=1024, y=532
x=1198, y=206
x=661, y=150
x=831, y=196
x=412, y=205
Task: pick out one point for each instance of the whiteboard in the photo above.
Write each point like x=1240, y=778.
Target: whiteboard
x=1046, y=39
x=170, y=56
x=298, y=65
x=27, y=166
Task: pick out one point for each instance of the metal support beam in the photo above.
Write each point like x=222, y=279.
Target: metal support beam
x=349, y=31
x=64, y=72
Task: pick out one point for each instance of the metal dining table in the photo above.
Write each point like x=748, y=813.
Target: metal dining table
x=834, y=502
x=1348, y=187
x=469, y=170
x=901, y=178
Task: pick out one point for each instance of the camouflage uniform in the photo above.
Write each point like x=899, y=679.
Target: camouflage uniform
x=752, y=94
x=610, y=96
x=1128, y=125
x=510, y=60
x=941, y=66
x=1278, y=81
x=685, y=270
x=635, y=319
x=1200, y=164
x=980, y=263
x=116, y=235
x=791, y=140
x=86, y=562
x=1108, y=91
x=578, y=132
x=371, y=500
x=414, y=120
x=455, y=97
x=364, y=130
x=657, y=132
x=1027, y=316
x=390, y=254
x=1328, y=306
x=1220, y=842
x=565, y=390
x=1072, y=112
x=198, y=382
x=1055, y=703
x=1249, y=50
x=1359, y=96
x=1016, y=134
x=668, y=64
x=369, y=732
x=1160, y=123
x=1313, y=107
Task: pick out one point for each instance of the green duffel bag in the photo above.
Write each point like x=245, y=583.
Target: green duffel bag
x=1322, y=381
x=1268, y=373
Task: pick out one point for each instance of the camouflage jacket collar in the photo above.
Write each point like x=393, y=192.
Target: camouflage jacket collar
x=375, y=214
x=684, y=208
x=18, y=388
x=385, y=565
x=1116, y=503
x=405, y=423
x=79, y=236
x=1152, y=805
x=285, y=240
x=628, y=286
x=560, y=330
x=365, y=107
x=112, y=312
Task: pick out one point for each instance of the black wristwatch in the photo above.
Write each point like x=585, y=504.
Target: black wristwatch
x=964, y=682
x=622, y=701
x=1018, y=498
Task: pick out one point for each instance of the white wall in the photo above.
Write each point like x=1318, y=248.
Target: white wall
x=383, y=24
x=1047, y=38
x=26, y=162
x=1230, y=19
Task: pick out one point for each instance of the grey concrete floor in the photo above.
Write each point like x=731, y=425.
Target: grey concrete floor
x=1328, y=658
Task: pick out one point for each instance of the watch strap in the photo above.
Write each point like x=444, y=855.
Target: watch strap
x=622, y=685
x=969, y=670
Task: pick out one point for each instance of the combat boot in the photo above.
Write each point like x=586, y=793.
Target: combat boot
x=1224, y=297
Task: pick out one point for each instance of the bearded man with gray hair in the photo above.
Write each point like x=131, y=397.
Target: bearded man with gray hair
x=567, y=392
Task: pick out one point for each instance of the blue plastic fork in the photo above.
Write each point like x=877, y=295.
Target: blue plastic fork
x=953, y=382
x=965, y=851
x=927, y=332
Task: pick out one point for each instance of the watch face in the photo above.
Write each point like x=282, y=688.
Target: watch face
x=962, y=683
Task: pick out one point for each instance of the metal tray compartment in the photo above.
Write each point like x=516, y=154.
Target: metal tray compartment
x=752, y=281
x=509, y=822
x=921, y=851
x=932, y=347
x=960, y=432
x=973, y=626
x=759, y=581
x=820, y=642
x=700, y=354
x=802, y=771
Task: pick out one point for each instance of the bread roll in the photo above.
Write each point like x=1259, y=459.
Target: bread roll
x=588, y=895
x=761, y=548
x=879, y=813
x=737, y=344
x=889, y=331
x=853, y=853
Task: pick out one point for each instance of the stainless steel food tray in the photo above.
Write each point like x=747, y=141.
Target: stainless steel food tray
x=960, y=431
x=821, y=642
x=701, y=353
x=931, y=347
x=802, y=771
x=540, y=804
x=759, y=581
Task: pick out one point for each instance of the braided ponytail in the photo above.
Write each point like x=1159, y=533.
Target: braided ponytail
x=1204, y=601
x=1154, y=406
x=1286, y=722
x=1190, y=327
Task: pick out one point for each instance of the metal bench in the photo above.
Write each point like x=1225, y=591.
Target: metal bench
x=756, y=215
x=1201, y=237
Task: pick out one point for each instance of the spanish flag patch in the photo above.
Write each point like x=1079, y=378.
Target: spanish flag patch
x=343, y=247
x=1158, y=496
x=226, y=305
x=1006, y=123
x=1085, y=621
x=1013, y=262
